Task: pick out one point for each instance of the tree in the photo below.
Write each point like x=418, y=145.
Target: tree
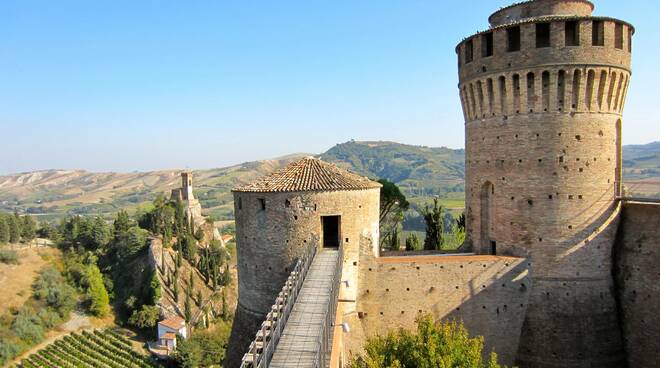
x=147, y=317
x=48, y=231
x=154, y=288
x=434, y=226
x=224, y=314
x=445, y=344
x=28, y=229
x=191, y=280
x=4, y=230
x=199, y=298
x=14, y=228
x=460, y=222
x=187, y=308
x=175, y=289
x=122, y=223
x=393, y=243
x=98, y=296
x=412, y=242
x=393, y=204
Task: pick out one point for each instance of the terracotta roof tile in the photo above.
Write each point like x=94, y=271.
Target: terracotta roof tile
x=309, y=174
x=174, y=322
x=168, y=336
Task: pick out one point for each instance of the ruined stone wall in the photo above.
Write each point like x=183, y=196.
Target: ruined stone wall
x=543, y=169
x=488, y=293
x=270, y=240
x=637, y=256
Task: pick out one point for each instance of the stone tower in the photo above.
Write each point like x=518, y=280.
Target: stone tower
x=308, y=203
x=186, y=185
x=543, y=91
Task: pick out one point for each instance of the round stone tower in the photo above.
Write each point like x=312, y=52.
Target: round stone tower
x=543, y=91
x=308, y=203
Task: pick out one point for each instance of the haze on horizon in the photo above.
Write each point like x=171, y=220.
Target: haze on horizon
x=125, y=86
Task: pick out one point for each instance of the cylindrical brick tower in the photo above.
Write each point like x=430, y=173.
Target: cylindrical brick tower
x=542, y=91
x=308, y=203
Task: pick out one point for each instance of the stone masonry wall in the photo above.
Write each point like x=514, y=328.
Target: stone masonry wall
x=268, y=243
x=637, y=256
x=488, y=293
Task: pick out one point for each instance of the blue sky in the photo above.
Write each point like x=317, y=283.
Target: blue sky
x=123, y=85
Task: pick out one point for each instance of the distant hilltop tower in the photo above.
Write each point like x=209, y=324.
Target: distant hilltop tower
x=185, y=194
x=308, y=203
x=543, y=91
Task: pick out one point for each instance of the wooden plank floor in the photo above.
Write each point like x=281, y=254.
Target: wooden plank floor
x=299, y=343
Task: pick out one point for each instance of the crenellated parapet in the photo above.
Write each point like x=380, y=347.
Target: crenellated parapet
x=549, y=64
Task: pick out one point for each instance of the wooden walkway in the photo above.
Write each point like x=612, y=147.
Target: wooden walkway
x=299, y=344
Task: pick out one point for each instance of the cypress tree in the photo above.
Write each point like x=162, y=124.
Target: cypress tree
x=14, y=228
x=4, y=229
x=434, y=226
x=199, y=298
x=187, y=308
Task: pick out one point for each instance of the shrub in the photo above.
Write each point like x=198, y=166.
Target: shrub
x=8, y=350
x=8, y=256
x=27, y=326
x=51, y=287
x=445, y=344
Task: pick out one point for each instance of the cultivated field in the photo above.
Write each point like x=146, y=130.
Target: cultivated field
x=101, y=349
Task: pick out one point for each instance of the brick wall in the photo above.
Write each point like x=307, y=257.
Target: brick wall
x=488, y=293
x=637, y=255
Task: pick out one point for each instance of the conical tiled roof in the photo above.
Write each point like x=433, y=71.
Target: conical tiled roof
x=309, y=174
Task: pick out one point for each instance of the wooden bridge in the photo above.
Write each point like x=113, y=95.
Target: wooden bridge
x=298, y=330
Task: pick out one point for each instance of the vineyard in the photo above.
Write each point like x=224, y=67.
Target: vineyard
x=99, y=349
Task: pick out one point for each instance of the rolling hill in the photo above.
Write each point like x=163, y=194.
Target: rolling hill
x=422, y=172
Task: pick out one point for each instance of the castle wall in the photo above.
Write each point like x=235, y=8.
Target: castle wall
x=637, y=255
x=488, y=293
x=270, y=240
x=543, y=168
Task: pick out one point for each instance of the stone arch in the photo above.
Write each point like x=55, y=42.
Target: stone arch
x=589, y=90
x=577, y=76
x=486, y=217
x=561, y=89
x=545, y=90
x=502, y=89
x=602, y=81
x=610, y=94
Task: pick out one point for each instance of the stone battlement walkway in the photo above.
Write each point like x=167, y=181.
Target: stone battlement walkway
x=299, y=344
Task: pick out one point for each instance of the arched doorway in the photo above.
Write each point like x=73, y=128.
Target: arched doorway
x=488, y=244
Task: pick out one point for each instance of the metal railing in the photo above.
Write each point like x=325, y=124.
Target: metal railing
x=263, y=346
x=261, y=350
x=324, y=341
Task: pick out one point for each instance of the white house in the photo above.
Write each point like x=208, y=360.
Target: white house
x=168, y=329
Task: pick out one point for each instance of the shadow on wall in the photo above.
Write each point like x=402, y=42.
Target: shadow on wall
x=637, y=256
x=572, y=316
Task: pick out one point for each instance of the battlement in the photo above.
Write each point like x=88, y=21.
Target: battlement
x=538, y=8
x=549, y=41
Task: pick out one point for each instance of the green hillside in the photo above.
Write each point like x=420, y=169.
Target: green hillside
x=421, y=172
